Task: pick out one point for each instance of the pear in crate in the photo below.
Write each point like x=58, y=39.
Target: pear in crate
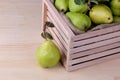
x=115, y=7
x=61, y=5
x=79, y=20
x=115, y=11
x=48, y=54
x=101, y=14
x=116, y=19
x=115, y=3
x=74, y=7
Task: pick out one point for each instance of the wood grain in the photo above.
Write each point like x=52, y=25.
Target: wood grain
x=19, y=39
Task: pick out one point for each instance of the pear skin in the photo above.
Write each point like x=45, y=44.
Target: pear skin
x=115, y=7
x=83, y=8
x=115, y=4
x=101, y=14
x=79, y=20
x=48, y=54
x=62, y=5
x=115, y=11
x=116, y=19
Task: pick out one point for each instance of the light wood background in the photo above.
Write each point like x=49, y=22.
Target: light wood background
x=20, y=24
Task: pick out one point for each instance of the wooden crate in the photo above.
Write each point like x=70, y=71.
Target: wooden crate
x=79, y=51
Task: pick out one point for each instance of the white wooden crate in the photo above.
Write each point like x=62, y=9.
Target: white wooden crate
x=82, y=50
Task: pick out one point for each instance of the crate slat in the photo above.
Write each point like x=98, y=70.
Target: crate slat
x=52, y=9
x=61, y=32
x=95, y=33
x=60, y=37
x=94, y=45
x=62, y=47
x=44, y=13
x=57, y=39
x=63, y=56
x=90, y=63
x=95, y=39
x=95, y=50
x=93, y=56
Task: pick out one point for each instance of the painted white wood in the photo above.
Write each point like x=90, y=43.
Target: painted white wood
x=93, y=56
x=95, y=50
x=55, y=36
x=58, y=18
x=95, y=39
x=96, y=33
x=88, y=64
x=63, y=50
x=44, y=14
x=58, y=27
x=94, y=45
x=63, y=55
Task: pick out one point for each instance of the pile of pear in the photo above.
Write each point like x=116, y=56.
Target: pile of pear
x=82, y=16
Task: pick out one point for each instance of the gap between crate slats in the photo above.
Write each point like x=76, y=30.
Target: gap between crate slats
x=65, y=45
x=65, y=62
x=94, y=45
x=58, y=27
x=48, y=30
x=55, y=36
x=60, y=39
x=86, y=64
x=95, y=39
x=44, y=18
x=95, y=50
x=53, y=11
x=79, y=60
x=44, y=11
x=63, y=56
x=95, y=33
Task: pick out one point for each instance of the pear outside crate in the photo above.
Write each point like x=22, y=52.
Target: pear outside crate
x=81, y=50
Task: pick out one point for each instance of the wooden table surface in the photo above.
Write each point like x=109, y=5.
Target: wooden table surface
x=19, y=38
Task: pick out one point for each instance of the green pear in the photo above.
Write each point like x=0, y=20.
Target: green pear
x=79, y=20
x=83, y=8
x=115, y=11
x=115, y=4
x=48, y=54
x=101, y=14
x=115, y=7
x=116, y=19
x=62, y=5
